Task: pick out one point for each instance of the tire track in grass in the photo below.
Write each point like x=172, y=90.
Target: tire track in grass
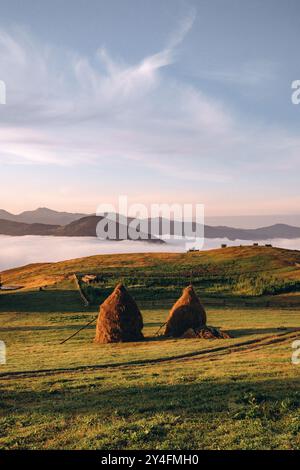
x=243, y=346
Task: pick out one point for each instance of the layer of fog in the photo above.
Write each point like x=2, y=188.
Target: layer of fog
x=19, y=251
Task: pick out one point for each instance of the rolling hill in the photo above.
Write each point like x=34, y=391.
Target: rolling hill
x=8, y=227
x=215, y=269
x=161, y=392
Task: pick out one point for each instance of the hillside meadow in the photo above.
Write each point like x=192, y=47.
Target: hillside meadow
x=239, y=393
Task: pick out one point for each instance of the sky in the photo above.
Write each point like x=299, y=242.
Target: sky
x=167, y=101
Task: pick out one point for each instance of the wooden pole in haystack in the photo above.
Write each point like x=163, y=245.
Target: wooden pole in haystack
x=82, y=328
x=160, y=328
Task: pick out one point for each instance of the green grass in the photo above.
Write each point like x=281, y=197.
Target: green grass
x=119, y=396
x=33, y=340
x=247, y=399
x=214, y=270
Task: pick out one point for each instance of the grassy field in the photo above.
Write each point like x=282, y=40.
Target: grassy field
x=232, y=272
x=240, y=393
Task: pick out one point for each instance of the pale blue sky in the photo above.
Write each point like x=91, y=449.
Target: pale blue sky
x=165, y=101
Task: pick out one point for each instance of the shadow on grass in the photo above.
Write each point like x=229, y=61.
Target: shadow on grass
x=47, y=301
x=44, y=328
x=184, y=399
x=239, y=333
x=236, y=333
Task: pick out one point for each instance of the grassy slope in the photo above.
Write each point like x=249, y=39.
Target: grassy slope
x=230, y=260
x=33, y=340
x=243, y=399
x=246, y=399
x=242, y=259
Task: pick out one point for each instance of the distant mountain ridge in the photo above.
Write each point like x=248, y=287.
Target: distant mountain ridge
x=42, y=215
x=86, y=227
x=263, y=233
x=12, y=228
x=253, y=221
x=165, y=227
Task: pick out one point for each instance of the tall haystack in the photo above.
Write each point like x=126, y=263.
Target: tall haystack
x=186, y=313
x=119, y=319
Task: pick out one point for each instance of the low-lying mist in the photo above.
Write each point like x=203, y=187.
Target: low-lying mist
x=18, y=251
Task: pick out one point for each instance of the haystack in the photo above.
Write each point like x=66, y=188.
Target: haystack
x=119, y=319
x=187, y=319
x=187, y=312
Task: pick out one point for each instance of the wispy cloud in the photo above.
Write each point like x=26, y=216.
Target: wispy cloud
x=66, y=109
x=183, y=29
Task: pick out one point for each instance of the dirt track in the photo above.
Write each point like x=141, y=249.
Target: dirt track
x=204, y=353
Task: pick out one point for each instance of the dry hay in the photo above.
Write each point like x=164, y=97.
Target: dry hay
x=119, y=319
x=187, y=319
x=187, y=312
x=207, y=332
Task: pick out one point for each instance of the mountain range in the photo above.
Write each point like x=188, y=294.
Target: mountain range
x=79, y=225
x=43, y=215
x=84, y=227
x=271, y=232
